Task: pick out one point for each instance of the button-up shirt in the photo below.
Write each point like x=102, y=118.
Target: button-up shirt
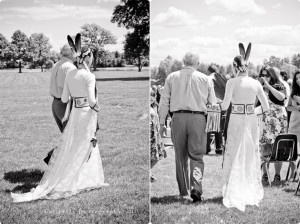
x=58, y=75
x=186, y=89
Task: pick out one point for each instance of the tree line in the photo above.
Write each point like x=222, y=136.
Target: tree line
x=169, y=65
x=35, y=51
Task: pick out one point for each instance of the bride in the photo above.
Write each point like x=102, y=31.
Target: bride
x=76, y=164
x=242, y=175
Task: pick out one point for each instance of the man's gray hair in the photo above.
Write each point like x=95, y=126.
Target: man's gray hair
x=191, y=59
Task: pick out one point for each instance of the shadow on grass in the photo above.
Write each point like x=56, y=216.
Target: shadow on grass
x=177, y=199
x=28, y=178
x=169, y=200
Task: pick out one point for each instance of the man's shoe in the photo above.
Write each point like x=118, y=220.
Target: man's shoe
x=195, y=195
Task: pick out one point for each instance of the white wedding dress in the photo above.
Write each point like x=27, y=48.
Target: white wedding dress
x=242, y=175
x=75, y=165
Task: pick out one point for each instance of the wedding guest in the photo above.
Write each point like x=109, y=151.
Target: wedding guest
x=213, y=71
x=275, y=120
x=186, y=93
x=157, y=151
x=294, y=107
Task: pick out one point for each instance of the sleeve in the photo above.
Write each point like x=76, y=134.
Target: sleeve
x=228, y=95
x=164, y=104
x=66, y=93
x=212, y=99
x=62, y=75
x=91, y=84
x=262, y=98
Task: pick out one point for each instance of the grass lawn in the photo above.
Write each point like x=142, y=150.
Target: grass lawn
x=279, y=204
x=28, y=131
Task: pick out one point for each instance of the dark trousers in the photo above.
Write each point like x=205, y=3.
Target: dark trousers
x=58, y=111
x=189, y=139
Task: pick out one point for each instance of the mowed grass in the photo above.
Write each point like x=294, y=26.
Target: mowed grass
x=28, y=131
x=279, y=204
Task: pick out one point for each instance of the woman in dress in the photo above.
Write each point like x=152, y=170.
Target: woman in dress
x=275, y=120
x=242, y=184
x=76, y=165
x=294, y=107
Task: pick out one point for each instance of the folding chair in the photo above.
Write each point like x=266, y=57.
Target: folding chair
x=284, y=149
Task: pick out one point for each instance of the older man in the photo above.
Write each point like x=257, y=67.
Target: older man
x=186, y=93
x=57, y=80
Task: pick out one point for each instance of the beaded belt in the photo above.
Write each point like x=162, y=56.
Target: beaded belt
x=80, y=102
x=242, y=109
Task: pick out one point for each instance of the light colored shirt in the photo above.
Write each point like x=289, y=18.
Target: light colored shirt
x=244, y=90
x=186, y=89
x=80, y=83
x=58, y=75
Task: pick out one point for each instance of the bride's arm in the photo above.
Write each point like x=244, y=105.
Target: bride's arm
x=66, y=93
x=228, y=95
x=91, y=83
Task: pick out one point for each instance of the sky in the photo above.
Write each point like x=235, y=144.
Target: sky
x=213, y=29
x=58, y=18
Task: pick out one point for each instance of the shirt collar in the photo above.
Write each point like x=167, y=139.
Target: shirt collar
x=189, y=68
x=67, y=59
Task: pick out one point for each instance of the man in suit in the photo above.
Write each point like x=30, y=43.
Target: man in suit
x=57, y=80
x=186, y=94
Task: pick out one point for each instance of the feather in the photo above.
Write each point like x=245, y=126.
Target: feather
x=71, y=43
x=248, y=51
x=242, y=50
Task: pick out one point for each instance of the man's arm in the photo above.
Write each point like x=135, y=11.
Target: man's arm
x=164, y=104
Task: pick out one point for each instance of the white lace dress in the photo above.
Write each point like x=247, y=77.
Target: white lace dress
x=242, y=175
x=76, y=165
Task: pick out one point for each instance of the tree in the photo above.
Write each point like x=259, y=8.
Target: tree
x=134, y=15
x=55, y=56
x=18, y=48
x=39, y=49
x=176, y=65
x=3, y=45
x=296, y=60
x=95, y=37
x=136, y=48
x=289, y=69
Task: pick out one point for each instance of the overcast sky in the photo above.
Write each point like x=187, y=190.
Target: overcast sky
x=213, y=28
x=58, y=18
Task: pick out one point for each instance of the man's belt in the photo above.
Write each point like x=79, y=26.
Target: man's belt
x=57, y=98
x=188, y=112
x=242, y=109
x=80, y=102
